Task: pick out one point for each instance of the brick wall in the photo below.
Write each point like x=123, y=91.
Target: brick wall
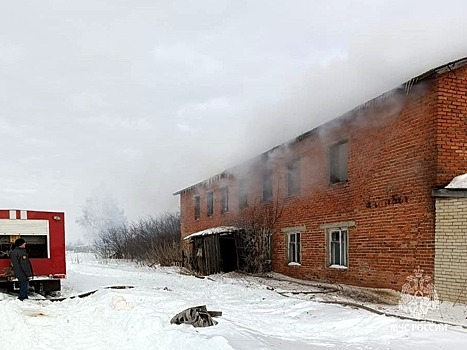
x=451, y=249
x=400, y=146
x=451, y=125
x=387, y=195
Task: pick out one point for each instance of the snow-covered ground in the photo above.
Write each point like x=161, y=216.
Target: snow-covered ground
x=253, y=316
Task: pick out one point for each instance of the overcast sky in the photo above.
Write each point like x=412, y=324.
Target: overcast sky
x=138, y=99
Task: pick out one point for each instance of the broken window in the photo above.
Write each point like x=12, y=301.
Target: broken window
x=293, y=177
x=197, y=207
x=338, y=162
x=224, y=199
x=243, y=194
x=267, y=185
x=210, y=203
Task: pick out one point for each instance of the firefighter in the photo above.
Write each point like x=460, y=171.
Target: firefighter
x=22, y=267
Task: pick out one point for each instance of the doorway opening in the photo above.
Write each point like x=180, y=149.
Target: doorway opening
x=228, y=252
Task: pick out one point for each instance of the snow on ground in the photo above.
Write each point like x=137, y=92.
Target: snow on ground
x=380, y=300
x=253, y=316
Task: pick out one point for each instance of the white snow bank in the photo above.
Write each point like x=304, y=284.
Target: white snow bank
x=459, y=182
x=253, y=316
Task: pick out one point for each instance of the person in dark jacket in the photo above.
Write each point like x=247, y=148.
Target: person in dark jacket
x=21, y=267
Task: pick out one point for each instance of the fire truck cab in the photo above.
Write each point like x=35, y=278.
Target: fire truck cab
x=44, y=233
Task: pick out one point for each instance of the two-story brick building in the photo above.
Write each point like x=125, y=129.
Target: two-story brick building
x=355, y=194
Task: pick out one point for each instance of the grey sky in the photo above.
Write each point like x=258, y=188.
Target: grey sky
x=139, y=99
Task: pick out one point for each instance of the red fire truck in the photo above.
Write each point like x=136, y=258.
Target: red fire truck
x=44, y=233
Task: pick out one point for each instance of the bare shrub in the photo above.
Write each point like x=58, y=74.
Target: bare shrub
x=254, y=242
x=151, y=240
x=166, y=253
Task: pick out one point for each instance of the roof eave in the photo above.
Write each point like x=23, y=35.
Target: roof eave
x=450, y=193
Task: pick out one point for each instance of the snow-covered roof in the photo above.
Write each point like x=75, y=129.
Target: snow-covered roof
x=213, y=231
x=459, y=182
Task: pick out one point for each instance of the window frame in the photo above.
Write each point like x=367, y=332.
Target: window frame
x=294, y=245
x=343, y=245
x=337, y=167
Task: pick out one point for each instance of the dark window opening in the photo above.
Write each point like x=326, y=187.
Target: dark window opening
x=267, y=185
x=293, y=177
x=210, y=204
x=338, y=162
x=197, y=207
x=243, y=194
x=224, y=199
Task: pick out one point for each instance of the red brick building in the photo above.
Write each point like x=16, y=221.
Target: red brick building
x=355, y=193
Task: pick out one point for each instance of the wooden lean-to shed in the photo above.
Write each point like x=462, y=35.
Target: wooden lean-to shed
x=214, y=250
